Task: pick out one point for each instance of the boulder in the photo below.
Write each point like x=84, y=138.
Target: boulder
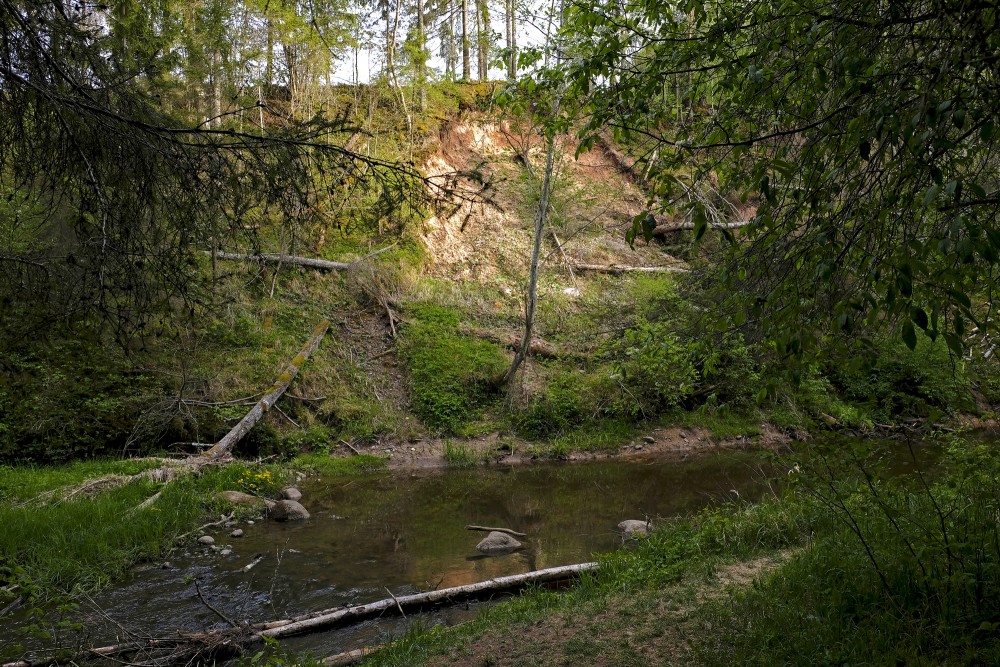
x=237, y=533
x=288, y=510
x=633, y=527
x=291, y=493
x=206, y=539
x=496, y=544
x=240, y=498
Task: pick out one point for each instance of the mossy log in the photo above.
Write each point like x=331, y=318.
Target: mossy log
x=219, y=450
x=224, y=446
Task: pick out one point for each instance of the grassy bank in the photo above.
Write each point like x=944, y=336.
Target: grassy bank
x=840, y=569
x=54, y=545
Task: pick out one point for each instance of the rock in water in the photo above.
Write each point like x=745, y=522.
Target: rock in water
x=291, y=493
x=288, y=510
x=497, y=543
x=237, y=533
x=633, y=527
x=206, y=539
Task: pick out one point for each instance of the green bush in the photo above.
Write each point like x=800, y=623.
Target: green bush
x=897, y=382
x=452, y=377
x=654, y=368
x=563, y=405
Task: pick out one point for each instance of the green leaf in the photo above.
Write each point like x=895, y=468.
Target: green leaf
x=961, y=297
x=909, y=336
x=919, y=317
x=986, y=131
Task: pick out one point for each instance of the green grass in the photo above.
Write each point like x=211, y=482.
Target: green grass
x=875, y=569
x=457, y=455
x=332, y=466
x=723, y=425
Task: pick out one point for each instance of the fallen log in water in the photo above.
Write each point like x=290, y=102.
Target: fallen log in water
x=344, y=615
x=191, y=648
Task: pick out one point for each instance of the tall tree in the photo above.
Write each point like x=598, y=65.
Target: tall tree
x=865, y=132
x=123, y=195
x=466, y=65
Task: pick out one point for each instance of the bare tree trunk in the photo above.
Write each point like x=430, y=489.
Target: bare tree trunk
x=421, y=63
x=466, y=66
x=540, y=218
x=483, y=23
x=513, y=39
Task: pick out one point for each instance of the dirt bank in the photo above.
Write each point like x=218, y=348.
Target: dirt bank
x=671, y=442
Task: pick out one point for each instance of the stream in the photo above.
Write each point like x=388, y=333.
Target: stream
x=404, y=532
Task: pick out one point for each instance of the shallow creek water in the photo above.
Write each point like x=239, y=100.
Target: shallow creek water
x=405, y=532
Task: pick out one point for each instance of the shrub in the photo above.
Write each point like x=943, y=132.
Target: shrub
x=654, y=368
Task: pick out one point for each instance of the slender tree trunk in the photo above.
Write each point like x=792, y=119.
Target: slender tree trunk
x=513, y=39
x=540, y=218
x=421, y=62
x=483, y=21
x=466, y=65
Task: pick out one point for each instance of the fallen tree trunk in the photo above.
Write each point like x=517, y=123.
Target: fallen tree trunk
x=295, y=260
x=324, y=264
x=223, y=447
x=190, y=648
x=228, y=441
x=660, y=230
x=620, y=269
x=341, y=615
x=512, y=339
x=497, y=530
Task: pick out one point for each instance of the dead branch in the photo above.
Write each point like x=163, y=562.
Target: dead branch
x=512, y=339
x=660, y=230
x=620, y=269
x=499, y=530
x=295, y=260
x=188, y=647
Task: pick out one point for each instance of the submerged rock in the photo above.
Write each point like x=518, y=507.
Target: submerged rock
x=633, y=527
x=206, y=539
x=288, y=510
x=236, y=533
x=497, y=543
x=291, y=493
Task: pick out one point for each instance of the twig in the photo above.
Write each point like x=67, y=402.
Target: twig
x=486, y=529
x=396, y=600
x=282, y=413
x=350, y=447
x=208, y=604
x=221, y=521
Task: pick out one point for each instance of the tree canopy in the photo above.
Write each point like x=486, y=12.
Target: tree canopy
x=864, y=132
